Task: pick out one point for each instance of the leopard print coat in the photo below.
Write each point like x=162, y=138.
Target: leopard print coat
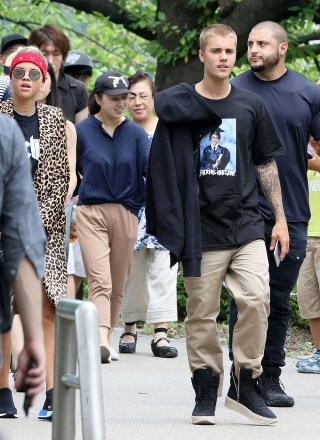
x=51, y=181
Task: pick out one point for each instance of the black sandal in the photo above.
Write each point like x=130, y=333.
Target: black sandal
x=164, y=351
x=128, y=347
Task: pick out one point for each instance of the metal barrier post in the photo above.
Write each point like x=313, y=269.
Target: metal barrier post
x=77, y=338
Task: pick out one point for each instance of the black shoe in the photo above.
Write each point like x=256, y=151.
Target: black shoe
x=244, y=396
x=166, y=351
x=128, y=347
x=273, y=391
x=46, y=412
x=7, y=408
x=206, y=388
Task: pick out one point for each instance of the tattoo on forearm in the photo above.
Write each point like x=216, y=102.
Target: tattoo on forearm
x=269, y=180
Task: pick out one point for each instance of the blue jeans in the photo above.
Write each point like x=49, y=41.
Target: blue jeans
x=282, y=281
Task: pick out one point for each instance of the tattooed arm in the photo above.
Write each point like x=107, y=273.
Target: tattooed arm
x=269, y=180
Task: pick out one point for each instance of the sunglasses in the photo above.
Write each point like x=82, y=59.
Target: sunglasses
x=20, y=73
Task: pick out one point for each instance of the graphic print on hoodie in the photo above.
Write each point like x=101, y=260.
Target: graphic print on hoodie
x=218, y=150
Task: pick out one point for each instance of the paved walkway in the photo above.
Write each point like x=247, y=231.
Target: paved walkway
x=147, y=398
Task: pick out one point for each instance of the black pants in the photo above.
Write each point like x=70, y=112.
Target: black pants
x=282, y=281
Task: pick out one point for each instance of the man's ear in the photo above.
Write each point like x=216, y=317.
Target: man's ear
x=283, y=48
x=201, y=56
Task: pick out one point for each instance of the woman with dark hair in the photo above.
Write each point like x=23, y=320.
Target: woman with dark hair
x=55, y=45
x=151, y=289
x=112, y=156
x=45, y=135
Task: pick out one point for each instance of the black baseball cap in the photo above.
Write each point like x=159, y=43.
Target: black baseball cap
x=112, y=83
x=11, y=39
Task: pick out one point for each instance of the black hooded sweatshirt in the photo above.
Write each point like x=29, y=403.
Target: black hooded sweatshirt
x=172, y=202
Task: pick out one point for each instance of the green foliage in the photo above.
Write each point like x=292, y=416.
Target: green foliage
x=110, y=46
x=295, y=318
x=181, y=297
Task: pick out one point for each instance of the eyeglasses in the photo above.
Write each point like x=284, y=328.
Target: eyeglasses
x=143, y=98
x=20, y=73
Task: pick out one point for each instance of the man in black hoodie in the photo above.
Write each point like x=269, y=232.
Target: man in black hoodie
x=209, y=219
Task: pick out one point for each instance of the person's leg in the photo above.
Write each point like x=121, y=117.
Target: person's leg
x=122, y=235
x=48, y=322
x=162, y=303
x=247, y=280
x=74, y=283
x=135, y=300
x=7, y=408
x=68, y=213
x=308, y=294
x=282, y=281
x=17, y=339
x=93, y=236
x=203, y=342
x=315, y=331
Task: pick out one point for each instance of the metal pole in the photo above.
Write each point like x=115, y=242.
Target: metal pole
x=77, y=338
x=93, y=427
x=63, y=418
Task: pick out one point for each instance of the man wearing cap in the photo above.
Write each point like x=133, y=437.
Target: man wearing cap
x=112, y=158
x=9, y=44
x=78, y=65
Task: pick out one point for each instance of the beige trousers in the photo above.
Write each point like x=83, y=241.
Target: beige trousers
x=107, y=234
x=245, y=271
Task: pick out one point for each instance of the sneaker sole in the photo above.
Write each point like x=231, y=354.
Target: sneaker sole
x=278, y=404
x=8, y=415
x=203, y=420
x=105, y=354
x=305, y=370
x=241, y=409
x=45, y=415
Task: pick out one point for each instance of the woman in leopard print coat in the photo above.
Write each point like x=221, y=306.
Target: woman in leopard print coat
x=44, y=131
x=51, y=181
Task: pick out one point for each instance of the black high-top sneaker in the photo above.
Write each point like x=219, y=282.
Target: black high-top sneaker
x=273, y=390
x=245, y=397
x=206, y=388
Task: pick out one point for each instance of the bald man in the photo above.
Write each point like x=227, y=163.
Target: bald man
x=293, y=103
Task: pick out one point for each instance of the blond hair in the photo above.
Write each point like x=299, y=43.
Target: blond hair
x=213, y=30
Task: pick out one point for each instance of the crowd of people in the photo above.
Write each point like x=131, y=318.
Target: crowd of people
x=211, y=175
